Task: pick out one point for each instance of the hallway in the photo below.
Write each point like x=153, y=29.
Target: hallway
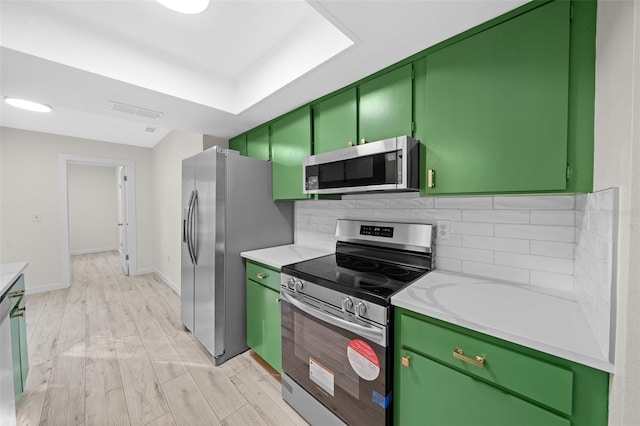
x=111, y=350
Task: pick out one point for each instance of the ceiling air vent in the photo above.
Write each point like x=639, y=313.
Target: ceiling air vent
x=132, y=109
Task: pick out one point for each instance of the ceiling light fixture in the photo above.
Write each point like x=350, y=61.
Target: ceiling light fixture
x=188, y=7
x=28, y=105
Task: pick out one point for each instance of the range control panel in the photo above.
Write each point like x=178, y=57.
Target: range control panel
x=377, y=231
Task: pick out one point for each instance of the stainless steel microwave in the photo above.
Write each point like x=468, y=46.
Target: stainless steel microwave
x=387, y=165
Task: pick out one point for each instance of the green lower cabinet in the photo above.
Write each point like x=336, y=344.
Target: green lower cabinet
x=497, y=106
x=438, y=380
x=290, y=144
x=263, y=318
x=19, y=350
x=239, y=143
x=434, y=394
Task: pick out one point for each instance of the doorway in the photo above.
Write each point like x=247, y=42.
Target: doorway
x=126, y=211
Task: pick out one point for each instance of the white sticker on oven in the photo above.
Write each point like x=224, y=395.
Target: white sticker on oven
x=363, y=359
x=321, y=376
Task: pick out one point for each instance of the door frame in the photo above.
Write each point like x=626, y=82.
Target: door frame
x=63, y=195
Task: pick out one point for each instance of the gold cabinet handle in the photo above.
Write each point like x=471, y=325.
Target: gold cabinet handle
x=431, y=178
x=363, y=141
x=405, y=361
x=16, y=293
x=277, y=300
x=19, y=313
x=261, y=276
x=350, y=143
x=459, y=354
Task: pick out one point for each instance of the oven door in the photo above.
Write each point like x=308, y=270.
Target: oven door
x=346, y=371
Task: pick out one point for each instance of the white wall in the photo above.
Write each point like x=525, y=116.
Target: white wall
x=29, y=185
x=617, y=163
x=167, y=189
x=93, y=208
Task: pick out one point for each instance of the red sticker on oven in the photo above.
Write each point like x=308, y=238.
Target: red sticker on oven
x=363, y=359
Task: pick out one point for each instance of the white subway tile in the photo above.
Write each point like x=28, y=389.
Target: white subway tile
x=468, y=228
x=552, y=249
x=304, y=227
x=539, y=263
x=505, y=273
x=580, y=220
x=496, y=216
x=536, y=232
x=606, y=199
x=320, y=220
x=375, y=203
x=461, y=253
x=358, y=214
x=326, y=229
x=485, y=202
x=560, y=282
x=454, y=240
x=497, y=244
x=553, y=217
x=303, y=204
x=544, y=202
x=436, y=214
x=600, y=223
x=581, y=202
x=446, y=264
x=413, y=203
x=392, y=214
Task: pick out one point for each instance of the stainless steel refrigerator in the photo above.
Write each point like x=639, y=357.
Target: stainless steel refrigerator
x=227, y=208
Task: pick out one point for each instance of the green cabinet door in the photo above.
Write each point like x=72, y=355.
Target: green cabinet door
x=430, y=393
x=239, y=143
x=497, y=106
x=263, y=323
x=290, y=144
x=335, y=122
x=258, y=143
x=386, y=105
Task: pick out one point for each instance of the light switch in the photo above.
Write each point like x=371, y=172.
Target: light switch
x=37, y=217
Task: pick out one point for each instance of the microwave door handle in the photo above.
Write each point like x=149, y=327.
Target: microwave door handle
x=369, y=332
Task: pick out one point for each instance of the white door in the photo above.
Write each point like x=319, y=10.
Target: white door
x=122, y=219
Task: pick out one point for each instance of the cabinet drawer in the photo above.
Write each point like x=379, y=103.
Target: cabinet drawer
x=263, y=275
x=532, y=378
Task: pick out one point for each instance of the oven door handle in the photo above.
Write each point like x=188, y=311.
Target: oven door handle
x=374, y=334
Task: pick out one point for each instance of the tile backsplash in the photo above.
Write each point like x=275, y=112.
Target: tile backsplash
x=563, y=242
x=524, y=239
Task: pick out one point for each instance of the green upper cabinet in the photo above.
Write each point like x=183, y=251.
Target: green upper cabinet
x=258, y=143
x=239, y=143
x=335, y=122
x=290, y=144
x=497, y=106
x=386, y=105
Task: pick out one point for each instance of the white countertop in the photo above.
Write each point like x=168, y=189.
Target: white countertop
x=277, y=257
x=9, y=272
x=546, y=320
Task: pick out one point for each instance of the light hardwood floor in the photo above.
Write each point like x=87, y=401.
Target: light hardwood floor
x=111, y=350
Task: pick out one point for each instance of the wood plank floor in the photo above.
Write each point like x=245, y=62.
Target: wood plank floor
x=111, y=350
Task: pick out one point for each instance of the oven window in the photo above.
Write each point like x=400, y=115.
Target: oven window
x=344, y=371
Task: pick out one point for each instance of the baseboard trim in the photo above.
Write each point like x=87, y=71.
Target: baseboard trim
x=91, y=251
x=142, y=272
x=168, y=282
x=44, y=288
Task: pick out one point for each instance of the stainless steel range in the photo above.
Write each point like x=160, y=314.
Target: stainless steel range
x=337, y=345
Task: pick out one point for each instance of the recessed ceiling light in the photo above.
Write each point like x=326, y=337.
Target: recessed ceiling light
x=28, y=105
x=189, y=7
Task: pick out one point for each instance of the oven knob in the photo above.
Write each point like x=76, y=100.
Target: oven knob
x=299, y=285
x=347, y=304
x=360, y=309
x=291, y=283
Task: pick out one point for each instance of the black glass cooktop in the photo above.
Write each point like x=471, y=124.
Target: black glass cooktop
x=356, y=276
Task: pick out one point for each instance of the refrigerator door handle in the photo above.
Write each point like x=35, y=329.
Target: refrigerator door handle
x=194, y=228
x=187, y=237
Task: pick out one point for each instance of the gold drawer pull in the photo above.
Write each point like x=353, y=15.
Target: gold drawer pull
x=261, y=276
x=19, y=313
x=459, y=354
x=350, y=143
x=431, y=178
x=405, y=361
x=16, y=293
